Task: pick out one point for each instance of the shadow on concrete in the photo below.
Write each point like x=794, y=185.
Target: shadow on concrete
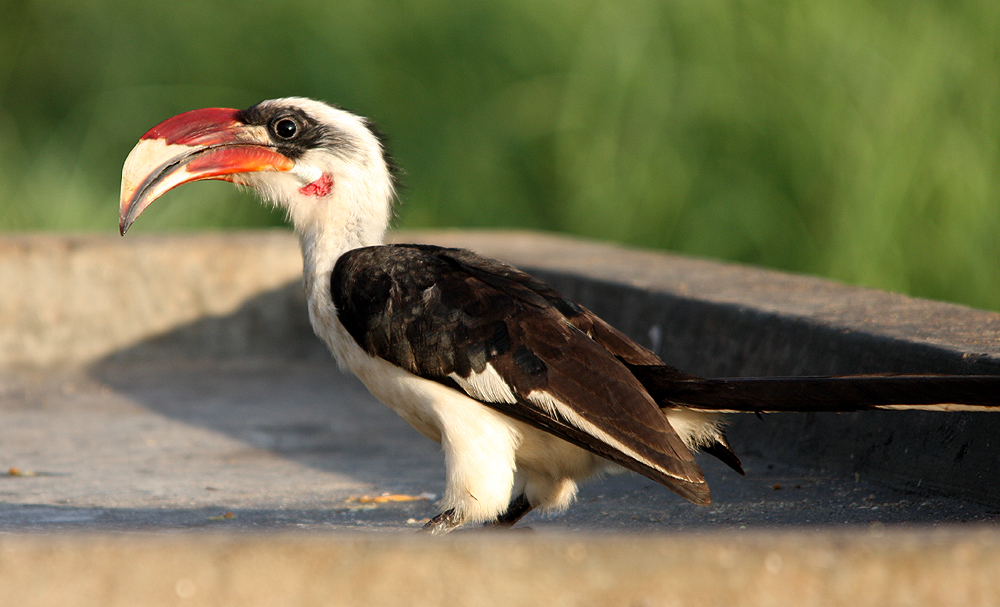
x=259, y=375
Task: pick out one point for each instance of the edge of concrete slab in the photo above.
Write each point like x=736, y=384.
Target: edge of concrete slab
x=877, y=567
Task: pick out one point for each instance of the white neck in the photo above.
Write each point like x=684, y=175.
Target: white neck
x=327, y=227
x=355, y=214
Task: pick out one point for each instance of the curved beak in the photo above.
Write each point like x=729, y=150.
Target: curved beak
x=211, y=143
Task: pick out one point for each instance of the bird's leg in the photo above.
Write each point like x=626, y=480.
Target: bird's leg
x=442, y=523
x=519, y=506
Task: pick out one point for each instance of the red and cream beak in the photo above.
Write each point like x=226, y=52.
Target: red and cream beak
x=202, y=144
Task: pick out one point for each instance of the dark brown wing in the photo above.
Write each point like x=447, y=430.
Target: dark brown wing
x=452, y=316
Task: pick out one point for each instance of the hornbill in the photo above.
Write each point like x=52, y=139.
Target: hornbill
x=527, y=392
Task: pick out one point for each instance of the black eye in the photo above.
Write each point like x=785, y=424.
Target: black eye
x=286, y=128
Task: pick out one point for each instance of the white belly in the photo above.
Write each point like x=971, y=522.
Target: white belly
x=490, y=458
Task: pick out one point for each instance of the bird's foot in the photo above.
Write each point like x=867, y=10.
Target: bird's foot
x=519, y=506
x=443, y=523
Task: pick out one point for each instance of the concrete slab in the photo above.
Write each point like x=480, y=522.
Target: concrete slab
x=171, y=386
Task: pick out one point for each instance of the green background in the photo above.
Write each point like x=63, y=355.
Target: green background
x=854, y=140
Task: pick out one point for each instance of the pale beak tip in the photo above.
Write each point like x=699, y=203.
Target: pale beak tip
x=124, y=223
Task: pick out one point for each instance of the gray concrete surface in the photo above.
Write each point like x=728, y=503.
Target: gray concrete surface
x=169, y=388
x=293, y=445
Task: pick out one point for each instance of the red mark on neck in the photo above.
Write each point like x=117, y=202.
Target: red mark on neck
x=320, y=187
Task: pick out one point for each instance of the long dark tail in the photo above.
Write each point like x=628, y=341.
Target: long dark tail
x=670, y=387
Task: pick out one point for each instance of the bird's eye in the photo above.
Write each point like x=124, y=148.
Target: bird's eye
x=286, y=128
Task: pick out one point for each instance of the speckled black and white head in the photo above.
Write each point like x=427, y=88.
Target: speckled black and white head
x=323, y=165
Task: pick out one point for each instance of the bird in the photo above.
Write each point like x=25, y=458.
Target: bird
x=527, y=392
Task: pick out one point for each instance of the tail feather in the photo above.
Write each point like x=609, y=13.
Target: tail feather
x=834, y=393
x=721, y=450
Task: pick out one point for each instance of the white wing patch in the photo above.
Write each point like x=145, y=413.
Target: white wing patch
x=487, y=386
x=557, y=408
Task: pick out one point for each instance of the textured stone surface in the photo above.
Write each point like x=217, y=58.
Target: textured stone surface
x=72, y=299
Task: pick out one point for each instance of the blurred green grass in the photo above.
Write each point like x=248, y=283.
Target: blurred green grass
x=854, y=140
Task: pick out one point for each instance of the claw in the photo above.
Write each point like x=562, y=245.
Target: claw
x=443, y=523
